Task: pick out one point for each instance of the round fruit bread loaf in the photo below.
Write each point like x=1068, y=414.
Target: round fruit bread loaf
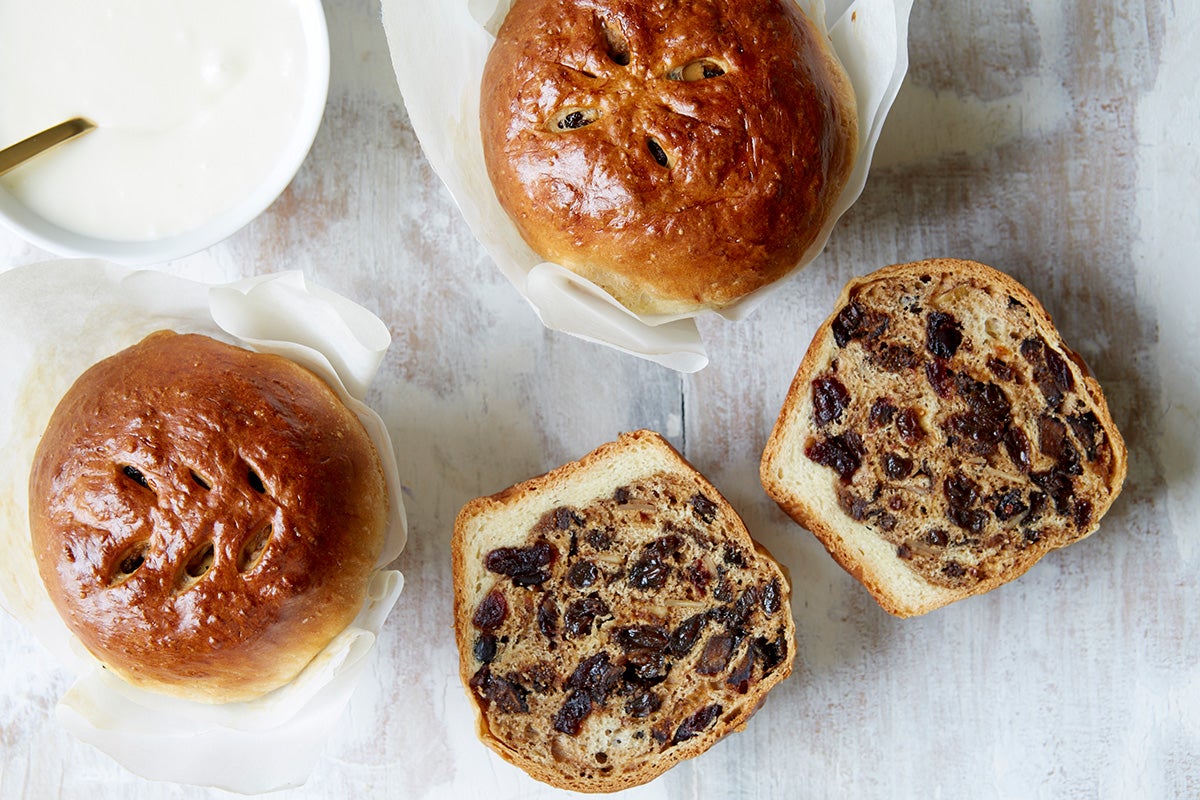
x=678, y=154
x=205, y=518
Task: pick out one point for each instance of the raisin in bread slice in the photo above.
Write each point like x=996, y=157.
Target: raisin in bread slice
x=940, y=437
x=614, y=617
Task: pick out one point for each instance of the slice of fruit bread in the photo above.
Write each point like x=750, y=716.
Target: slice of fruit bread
x=614, y=617
x=940, y=437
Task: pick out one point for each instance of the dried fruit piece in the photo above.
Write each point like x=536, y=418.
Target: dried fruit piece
x=1001, y=369
x=574, y=119
x=908, y=423
x=645, y=667
x=657, y=153
x=652, y=569
x=649, y=572
x=772, y=653
x=856, y=507
x=685, y=636
x=582, y=574
x=491, y=611
x=894, y=357
x=742, y=675
x=1016, y=444
x=597, y=675
x=943, y=334
x=696, y=723
x=961, y=494
x=1010, y=504
x=1087, y=430
x=1082, y=514
x=574, y=711
x=699, y=574
x=830, y=400
x=940, y=377
x=135, y=475
x=715, y=656
x=1057, y=484
x=733, y=556
x=581, y=614
x=1050, y=372
x=643, y=704
x=896, y=466
x=506, y=695
x=842, y=453
x=599, y=540
x=1060, y=373
x=565, y=517
x=771, y=597
x=130, y=562
x=705, y=509
x=882, y=411
x=485, y=648
x=1037, y=506
x=855, y=322
x=547, y=616
x=641, y=637
x=1053, y=442
x=525, y=565
x=738, y=614
x=983, y=425
x=540, y=676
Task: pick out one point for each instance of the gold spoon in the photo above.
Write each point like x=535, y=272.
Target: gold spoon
x=17, y=154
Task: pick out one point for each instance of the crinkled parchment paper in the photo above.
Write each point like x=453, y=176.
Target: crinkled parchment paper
x=438, y=52
x=57, y=319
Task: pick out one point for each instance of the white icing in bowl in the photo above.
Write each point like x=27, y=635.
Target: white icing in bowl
x=205, y=113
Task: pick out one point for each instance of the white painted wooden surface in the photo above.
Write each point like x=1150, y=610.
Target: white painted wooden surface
x=1055, y=141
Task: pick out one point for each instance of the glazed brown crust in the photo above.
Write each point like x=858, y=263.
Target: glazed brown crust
x=641, y=462
x=757, y=155
x=205, y=518
x=895, y=576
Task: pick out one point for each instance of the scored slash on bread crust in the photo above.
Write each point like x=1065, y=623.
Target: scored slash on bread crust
x=614, y=617
x=939, y=436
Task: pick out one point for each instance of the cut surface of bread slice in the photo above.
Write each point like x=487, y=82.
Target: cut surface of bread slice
x=614, y=617
x=940, y=437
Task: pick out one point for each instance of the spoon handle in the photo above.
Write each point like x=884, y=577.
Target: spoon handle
x=22, y=151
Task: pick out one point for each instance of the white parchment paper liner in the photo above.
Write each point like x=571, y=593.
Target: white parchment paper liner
x=438, y=52
x=57, y=319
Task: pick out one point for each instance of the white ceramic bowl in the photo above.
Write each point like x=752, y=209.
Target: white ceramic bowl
x=291, y=154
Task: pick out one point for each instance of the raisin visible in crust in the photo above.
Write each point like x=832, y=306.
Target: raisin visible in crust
x=669, y=629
